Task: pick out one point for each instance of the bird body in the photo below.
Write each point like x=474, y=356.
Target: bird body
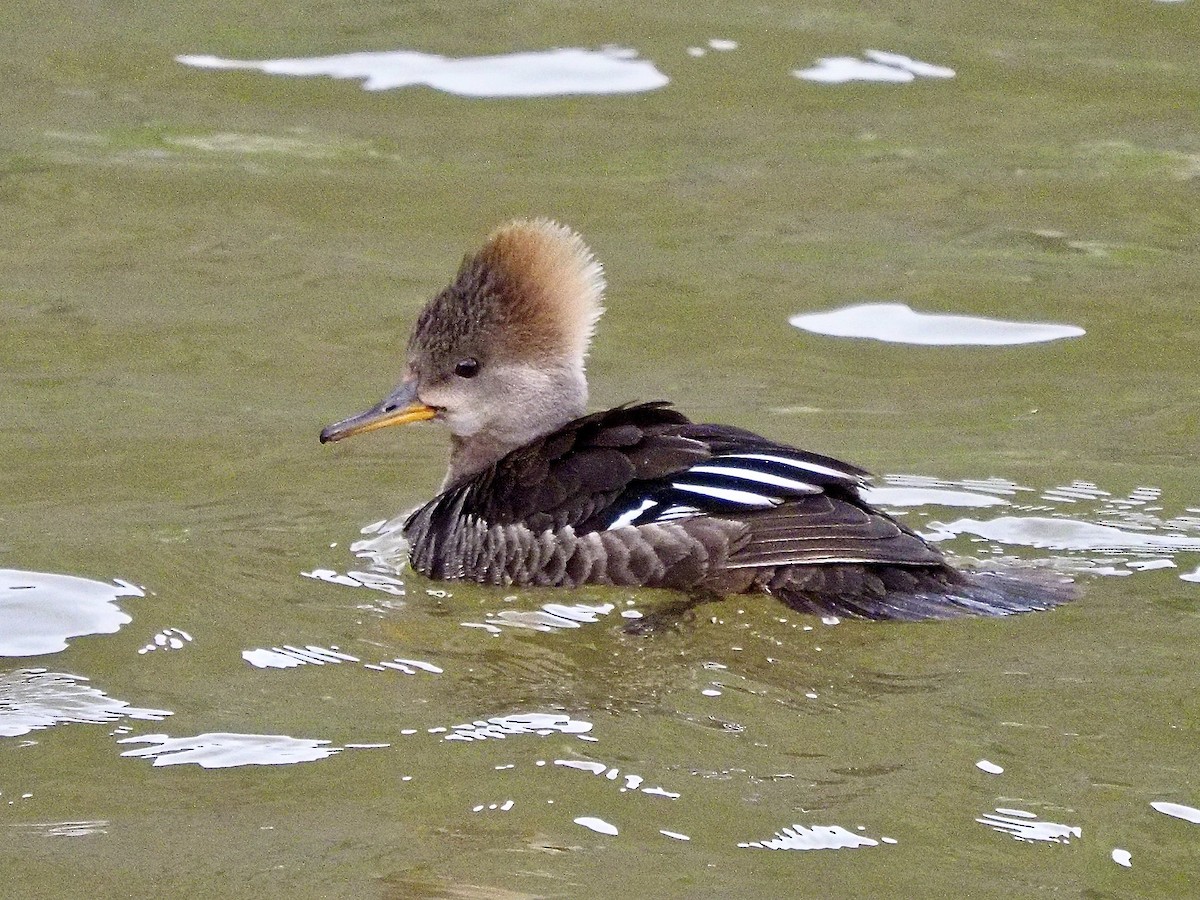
x=539, y=493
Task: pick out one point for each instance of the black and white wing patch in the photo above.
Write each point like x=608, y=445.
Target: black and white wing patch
x=731, y=482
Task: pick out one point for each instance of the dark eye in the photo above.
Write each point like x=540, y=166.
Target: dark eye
x=467, y=368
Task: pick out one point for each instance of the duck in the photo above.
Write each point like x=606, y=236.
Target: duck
x=540, y=492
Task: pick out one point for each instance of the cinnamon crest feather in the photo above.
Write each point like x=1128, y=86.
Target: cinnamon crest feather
x=534, y=290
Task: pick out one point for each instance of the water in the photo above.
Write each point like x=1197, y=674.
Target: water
x=202, y=268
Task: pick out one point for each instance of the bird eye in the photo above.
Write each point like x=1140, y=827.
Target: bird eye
x=467, y=368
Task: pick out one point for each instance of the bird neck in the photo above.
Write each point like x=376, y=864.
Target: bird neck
x=539, y=400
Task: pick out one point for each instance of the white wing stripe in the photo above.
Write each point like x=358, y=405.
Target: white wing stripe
x=816, y=468
x=729, y=495
x=759, y=477
x=627, y=517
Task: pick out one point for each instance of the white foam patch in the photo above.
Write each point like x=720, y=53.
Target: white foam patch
x=843, y=69
x=542, y=73
x=878, y=66
x=987, y=485
x=814, y=837
x=33, y=699
x=597, y=825
x=372, y=580
x=1064, y=534
x=1149, y=565
x=897, y=323
x=1026, y=826
x=912, y=496
x=551, y=617
x=40, y=611
x=167, y=639
x=289, y=656
x=63, y=829
x=908, y=64
x=500, y=727
x=1178, y=811
x=583, y=765
x=225, y=750
x=631, y=782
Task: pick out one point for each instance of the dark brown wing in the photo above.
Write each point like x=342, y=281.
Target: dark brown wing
x=571, y=477
x=833, y=527
x=647, y=464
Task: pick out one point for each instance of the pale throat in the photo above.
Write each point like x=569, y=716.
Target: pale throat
x=532, y=402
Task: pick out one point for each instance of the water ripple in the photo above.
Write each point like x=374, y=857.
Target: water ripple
x=32, y=699
x=224, y=750
x=1026, y=826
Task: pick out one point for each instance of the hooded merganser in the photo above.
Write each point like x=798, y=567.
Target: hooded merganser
x=538, y=493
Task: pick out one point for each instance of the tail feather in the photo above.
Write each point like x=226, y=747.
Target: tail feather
x=914, y=593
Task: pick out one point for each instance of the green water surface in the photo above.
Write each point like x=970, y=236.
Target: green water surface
x=200, y=269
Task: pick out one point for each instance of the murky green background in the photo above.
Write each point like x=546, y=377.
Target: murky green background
x=198, y=270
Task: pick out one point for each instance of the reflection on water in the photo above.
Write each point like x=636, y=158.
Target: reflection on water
x=496, y=807
x=898, y=324
x=288, y=657
x=405, y=666
x=223, y=750
x=32, y=699
x=1177, y=811
x=1066, y=534
x=63, y=829
x=612, y=773
x=878, y=66
x=815, y=837
x=1022, y=825
x=545, y=73
x=721, y=45
x=894, y=497
x=551, y=617
x=596, y=824
x=39, y=611
x=167, y=639
x=1080, y=519
x=376, y=581
x=501, y=727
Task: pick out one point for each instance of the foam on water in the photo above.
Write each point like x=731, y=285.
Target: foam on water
x=899, y=324
x=224, y=750
x=813, y=837
x=539, y=73
x=878, y=66
x=32, y=699
x=39, y=611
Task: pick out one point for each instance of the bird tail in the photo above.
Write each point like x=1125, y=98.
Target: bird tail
x=915, y=593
